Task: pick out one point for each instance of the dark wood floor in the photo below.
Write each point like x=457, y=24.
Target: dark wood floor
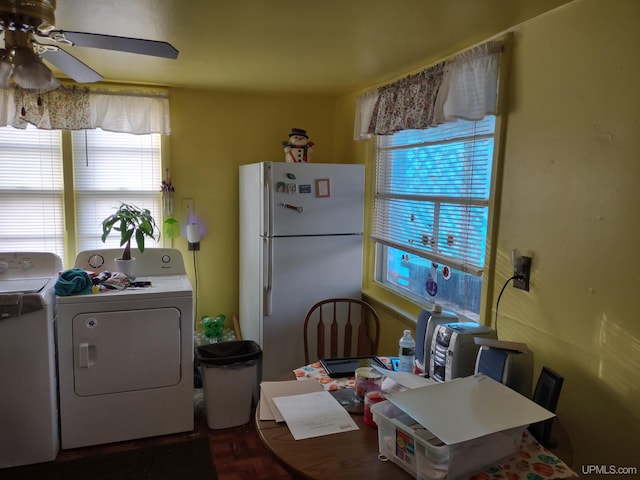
x=237, y=453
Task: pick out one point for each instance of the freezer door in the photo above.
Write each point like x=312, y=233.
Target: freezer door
x=314, y=199
x=303, y=271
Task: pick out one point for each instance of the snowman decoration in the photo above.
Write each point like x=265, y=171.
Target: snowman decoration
x=298, y=149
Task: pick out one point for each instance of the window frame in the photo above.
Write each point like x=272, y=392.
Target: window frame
x=410, y=304
x=118, y=191
x=69, y=199
x=30, y=185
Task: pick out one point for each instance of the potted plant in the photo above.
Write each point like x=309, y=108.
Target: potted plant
x=131, y=222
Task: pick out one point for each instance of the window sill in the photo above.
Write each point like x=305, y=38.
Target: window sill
x=393, y=304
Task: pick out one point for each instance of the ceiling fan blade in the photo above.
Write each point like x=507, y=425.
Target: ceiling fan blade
x=123, y=44
x=70, y=65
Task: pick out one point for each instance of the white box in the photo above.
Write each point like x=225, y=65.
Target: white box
x=411, y=446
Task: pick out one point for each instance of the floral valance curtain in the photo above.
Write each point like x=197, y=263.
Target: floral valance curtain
x=65, y=108
x=73, y=108
x=463, y=88
x=408, y=103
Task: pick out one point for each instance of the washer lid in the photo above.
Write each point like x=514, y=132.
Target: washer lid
x=23, y=285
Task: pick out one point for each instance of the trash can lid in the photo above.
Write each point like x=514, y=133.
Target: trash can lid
x=228, y=353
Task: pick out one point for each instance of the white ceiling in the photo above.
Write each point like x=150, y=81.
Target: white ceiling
x=321, y=46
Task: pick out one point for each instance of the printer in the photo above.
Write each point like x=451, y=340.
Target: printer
x=454, y=351
x=509, y=363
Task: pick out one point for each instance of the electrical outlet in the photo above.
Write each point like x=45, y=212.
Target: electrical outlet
x=522, y=272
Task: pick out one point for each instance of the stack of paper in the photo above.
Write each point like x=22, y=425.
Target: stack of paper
x=308, y=410
x=269, y=390
x=314, y=414
x=403, y=379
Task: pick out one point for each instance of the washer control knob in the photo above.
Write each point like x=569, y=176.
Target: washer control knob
x=166, y=259
x=4, y=266
x=96, y=261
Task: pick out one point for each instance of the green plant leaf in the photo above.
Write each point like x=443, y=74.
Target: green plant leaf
x=130, y=221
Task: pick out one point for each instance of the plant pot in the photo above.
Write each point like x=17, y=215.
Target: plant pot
x=128, y=267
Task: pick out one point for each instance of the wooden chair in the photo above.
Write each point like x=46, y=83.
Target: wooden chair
x=350, y=328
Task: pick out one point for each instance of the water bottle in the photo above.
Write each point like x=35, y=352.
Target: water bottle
x=407, y=352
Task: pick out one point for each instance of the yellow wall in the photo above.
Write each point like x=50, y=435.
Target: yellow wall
x=212, y=134
x=570, y=199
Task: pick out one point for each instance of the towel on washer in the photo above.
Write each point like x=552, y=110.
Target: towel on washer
x=73, y=282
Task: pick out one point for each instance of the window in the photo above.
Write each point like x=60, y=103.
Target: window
x=31, y=191
x=110, y=168
x=105, y=169
x=431, y=212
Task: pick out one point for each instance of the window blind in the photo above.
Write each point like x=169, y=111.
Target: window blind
x=31, y=191
x=111, y=168
x=432, y=192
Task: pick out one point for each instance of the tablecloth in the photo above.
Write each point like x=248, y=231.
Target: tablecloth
x=316, y=372
x=532, y=461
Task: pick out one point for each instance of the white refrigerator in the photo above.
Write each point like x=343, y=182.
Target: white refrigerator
x=301, y=230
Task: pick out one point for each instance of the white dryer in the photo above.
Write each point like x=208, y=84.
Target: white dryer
x=125, y=358
x=29, y=397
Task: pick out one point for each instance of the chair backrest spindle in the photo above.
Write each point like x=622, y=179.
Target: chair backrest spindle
x=334, y=333
x=348, y=334
x=364, y=342
x=320, y=337
x=345, y=322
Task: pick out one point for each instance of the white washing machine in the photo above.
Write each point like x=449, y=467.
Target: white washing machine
x=28, y=398
x=125, y=358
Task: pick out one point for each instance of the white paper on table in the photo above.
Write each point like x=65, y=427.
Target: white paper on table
x=406, y=379
x=467, y=408
x=268, y=390
x=391, y=386
x=314, y=414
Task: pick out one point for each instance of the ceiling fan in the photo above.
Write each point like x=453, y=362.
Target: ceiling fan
x=29, y=31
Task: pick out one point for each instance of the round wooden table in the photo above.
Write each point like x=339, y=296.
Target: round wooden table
x=347, y=455
x=351, y=455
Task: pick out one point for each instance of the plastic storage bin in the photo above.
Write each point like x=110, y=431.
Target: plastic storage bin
x=411, y=446
x=229, y=377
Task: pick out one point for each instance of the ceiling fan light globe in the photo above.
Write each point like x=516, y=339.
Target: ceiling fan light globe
x=38, y=83
x=30, y=73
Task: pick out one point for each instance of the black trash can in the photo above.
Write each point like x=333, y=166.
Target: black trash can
x=229, y=374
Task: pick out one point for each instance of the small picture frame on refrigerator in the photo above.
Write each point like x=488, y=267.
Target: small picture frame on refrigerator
x=323, y=187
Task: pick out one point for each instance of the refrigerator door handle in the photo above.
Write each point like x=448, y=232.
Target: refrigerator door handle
x=268, y=283
x=267, y=210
